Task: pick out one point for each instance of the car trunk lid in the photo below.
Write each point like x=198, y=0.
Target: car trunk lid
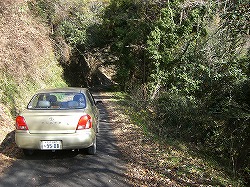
x=56, y=122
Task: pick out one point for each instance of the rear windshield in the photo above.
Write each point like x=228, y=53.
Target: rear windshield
x=57, y=100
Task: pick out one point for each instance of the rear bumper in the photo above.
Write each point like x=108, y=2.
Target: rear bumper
x=80, y=139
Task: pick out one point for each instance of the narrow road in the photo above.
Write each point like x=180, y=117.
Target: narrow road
x=72, y=168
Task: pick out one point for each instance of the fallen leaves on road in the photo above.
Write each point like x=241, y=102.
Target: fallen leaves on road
x=140, y=151
x=151, y=163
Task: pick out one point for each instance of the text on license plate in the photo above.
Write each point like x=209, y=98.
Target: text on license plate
x=51, y=145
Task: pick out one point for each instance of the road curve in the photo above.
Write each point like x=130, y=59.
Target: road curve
x=72, y=168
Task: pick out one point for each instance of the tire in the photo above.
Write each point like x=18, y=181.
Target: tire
x=92, y=149
x=97, y=129
x=97, y=126
x=28, y=152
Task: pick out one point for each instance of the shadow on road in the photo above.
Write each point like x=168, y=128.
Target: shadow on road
x=69, y=168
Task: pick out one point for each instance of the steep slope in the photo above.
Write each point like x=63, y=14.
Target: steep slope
x=27, y=63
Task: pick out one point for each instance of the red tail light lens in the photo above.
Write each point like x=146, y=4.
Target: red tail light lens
x=85, y=122
x=20, y=123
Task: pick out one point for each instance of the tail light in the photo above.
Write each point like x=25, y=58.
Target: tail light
x=20, y=123
x=85, y=122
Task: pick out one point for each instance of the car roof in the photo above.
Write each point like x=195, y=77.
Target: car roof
x=65, y=89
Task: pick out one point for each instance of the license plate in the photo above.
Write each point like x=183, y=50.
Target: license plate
x=51, y=145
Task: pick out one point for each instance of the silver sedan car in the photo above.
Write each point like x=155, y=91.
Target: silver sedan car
x=57, y=119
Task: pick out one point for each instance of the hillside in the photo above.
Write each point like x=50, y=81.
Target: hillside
x=27, y=61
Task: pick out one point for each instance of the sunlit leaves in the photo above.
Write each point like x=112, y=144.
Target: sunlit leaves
x=172, y=45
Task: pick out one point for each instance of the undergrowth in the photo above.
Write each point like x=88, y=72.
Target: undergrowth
x=181, y=150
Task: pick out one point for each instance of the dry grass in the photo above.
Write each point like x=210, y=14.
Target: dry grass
x=27, y=57
x=27, y=63
x=22, y=39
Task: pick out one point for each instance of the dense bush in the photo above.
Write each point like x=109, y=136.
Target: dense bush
x=193, y=58
x=224, y=134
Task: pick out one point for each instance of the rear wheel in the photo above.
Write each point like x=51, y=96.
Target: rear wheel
x=28, y=152
x=92, y=149
x=97, y=129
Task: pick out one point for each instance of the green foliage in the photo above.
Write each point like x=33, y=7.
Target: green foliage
x=182, y=118
x=224, y=134
x=8, y=92
x=173, y=121
x=70, y=20
x=194, y=55
x=127, y=24
x=15, y=95
x=73, y=27
x=65, y=18
x=202, y=64
x=172, y=47
x=43, y=8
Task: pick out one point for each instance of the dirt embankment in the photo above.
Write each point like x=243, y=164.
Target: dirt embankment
x=27, y=63
x=8, y=150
